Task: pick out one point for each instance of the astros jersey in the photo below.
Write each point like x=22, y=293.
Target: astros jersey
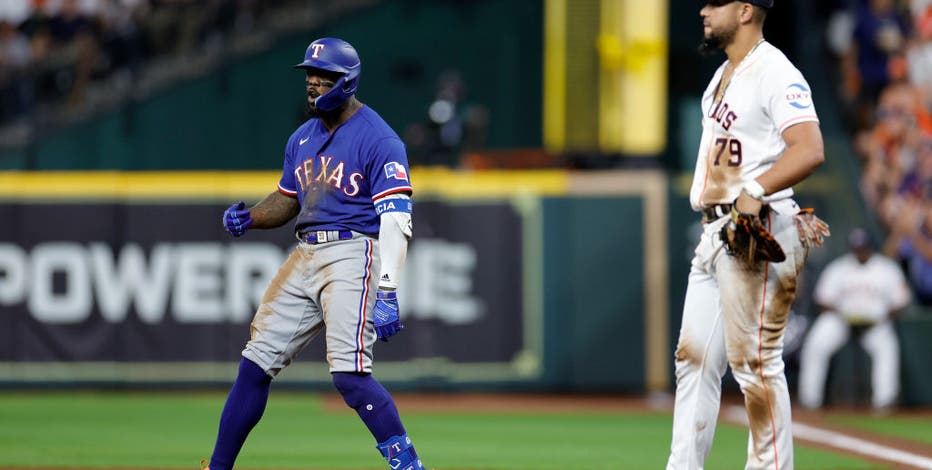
x=863, y=292
x=742, y=132
x=336, y=176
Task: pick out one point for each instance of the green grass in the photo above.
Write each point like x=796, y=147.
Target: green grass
x=915, y=428
x=136, y=430
x=730, y=447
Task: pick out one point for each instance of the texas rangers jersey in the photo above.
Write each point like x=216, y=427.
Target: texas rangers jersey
x=863, y=292
x=336, y=176
x=742, y=131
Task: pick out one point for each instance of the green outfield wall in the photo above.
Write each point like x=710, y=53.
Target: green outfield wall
x=542, y=280
x=536, y=280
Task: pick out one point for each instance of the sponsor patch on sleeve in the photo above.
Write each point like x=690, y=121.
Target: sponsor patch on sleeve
x=798, y=96
x=396, y=170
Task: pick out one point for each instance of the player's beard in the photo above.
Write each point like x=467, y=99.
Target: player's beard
x=312, y=111
x=717, y=40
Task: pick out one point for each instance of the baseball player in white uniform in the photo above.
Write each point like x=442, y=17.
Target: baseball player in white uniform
x=760, y=136
x=861, y=290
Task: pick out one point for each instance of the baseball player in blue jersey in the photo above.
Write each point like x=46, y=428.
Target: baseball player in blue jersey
x=345, y=178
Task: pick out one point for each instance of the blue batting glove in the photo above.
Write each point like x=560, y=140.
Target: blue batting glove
x=236, y=219
x=386, y=319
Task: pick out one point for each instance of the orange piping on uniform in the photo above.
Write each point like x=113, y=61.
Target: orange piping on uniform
x=760, y=358
x=811, y=117
x=708, y=157
x=739, y=72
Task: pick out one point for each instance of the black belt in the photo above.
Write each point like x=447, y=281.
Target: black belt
x=713, y=213
x=324, y=236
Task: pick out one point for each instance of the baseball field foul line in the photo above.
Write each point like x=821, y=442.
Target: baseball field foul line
x=840, y=441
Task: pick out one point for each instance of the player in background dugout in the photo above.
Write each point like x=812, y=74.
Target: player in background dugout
x=858, y=293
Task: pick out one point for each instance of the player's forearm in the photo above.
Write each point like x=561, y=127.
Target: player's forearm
x=394, y=232
x=804, y=153
x=393, y=246
x=274, y=211
x=792, y=168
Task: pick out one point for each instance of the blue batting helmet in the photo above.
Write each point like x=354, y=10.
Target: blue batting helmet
x=860, y=238
x=334, y=55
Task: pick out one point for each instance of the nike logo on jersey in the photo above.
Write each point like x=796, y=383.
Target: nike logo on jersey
x=302, y=141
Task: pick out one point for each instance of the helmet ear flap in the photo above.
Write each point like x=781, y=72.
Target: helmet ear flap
x=350, y=85
x=335, y=97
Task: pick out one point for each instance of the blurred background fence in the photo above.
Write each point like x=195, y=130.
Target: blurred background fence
x=552, y=144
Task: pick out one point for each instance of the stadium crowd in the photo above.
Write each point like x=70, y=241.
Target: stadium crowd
x=884, y=49
x=51, y=50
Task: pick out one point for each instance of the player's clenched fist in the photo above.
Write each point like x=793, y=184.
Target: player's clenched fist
x=236, y=219
x=386, y=319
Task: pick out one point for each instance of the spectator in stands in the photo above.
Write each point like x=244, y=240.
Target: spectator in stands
x=453, y=125
x=859, y=292
x=15, y=12
x=919, y=51
x=83, y=51
x=910, y=241
x=174, y=26
x=839, y=36
x=121, y=39
x=15, y=56
x=74, y=47
x=887, y=149
x=879, y=35
x=916, y=184
x=896, y=151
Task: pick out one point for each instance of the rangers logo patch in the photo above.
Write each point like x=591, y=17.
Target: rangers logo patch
x=396, y=170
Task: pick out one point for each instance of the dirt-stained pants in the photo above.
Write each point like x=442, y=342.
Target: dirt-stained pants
x=735, y=315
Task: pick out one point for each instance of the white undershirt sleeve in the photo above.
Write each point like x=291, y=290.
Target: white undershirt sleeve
x=394, y=233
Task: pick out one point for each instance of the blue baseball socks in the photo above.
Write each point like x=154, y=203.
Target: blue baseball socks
x=248, y=397
x=378, y=411
x=243, y=409
x=399, y=452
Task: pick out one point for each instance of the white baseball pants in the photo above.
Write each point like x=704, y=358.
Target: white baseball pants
x=735, y=315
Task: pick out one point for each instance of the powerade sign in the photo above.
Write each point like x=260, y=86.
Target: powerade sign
x=154, y=283
x=63, y=283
